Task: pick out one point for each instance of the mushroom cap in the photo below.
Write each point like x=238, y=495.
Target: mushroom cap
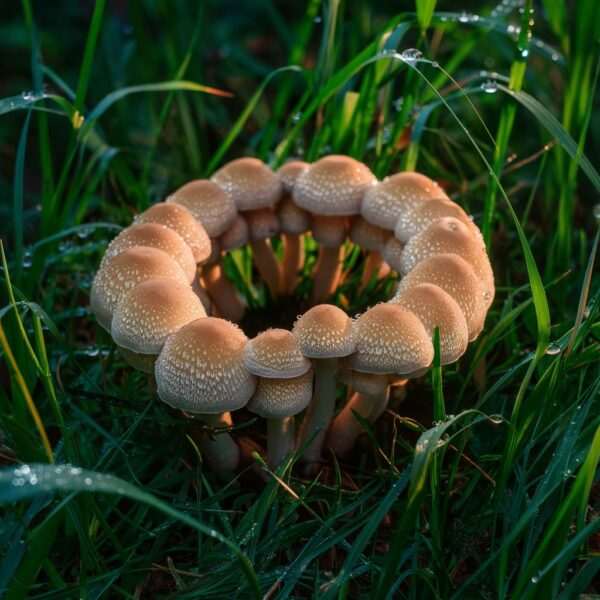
x=275, y=354
x=279, y=398
x=421, y=216
x=325, y=331
x=436, y=308
x=457, y=278
x=236, y=236
x=449, y=235
x=151, y=311
x=292, y=218
x=178, y=218
x=124, y=271
x=157, y=236
x=201, y=368
x=329, y=231
x=289, y=172
x=250, y=182
x=392, y=253
x=208, y=203
x=334, y=185
x=390, y=339
x=385, y=202
x=262, y=224
x=368, y=236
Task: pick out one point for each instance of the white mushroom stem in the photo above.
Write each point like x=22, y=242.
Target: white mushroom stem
x=372, y=268
x=267, y=265
x=346, y=428
x=280, y=439
x=293, y=260
x=320, y=411
x=223, y=292
x=219, y=451
x=327, y=273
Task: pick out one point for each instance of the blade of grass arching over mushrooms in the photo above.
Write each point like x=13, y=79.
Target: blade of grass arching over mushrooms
x=27, y=481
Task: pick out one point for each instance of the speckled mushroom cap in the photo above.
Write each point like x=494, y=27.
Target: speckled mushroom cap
x=151, y=311
x=236, y=236
x=201, y=368
x=325, y=331
x=179, y=219
x=368, y=236
x=392, y=253
x=289, y=173
x=449, y=235
x=390, y=339
x=396, y=195
x=152, y=235
x=250, y=182
x=330, y=232
x=208, y=203
x=334, y=185
x=262, y=223
x=279, y=398
x=275, y=354
x=124, y=271
x=421, y=216
x=456, y=277
x=436, y=308
x=292, y=218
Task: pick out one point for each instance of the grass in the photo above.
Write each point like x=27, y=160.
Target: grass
x=483, y=483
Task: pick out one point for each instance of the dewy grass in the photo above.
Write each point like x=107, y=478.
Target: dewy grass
x=483, y=482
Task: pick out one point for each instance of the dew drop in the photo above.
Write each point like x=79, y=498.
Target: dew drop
x=317, y=19
x=411, y=56
x=535, y=579
x=489, y=86
x=596, y=212
x=27, y=95
x=553, y=350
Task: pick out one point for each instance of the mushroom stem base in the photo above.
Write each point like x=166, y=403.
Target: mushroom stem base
x=280, y=440
x=267, y=265
x=219, y=451
x=293, y=260
x=223, y=292
x=327, y=273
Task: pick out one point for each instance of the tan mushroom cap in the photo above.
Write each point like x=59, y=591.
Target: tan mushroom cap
x=250, y=182
x=449, y=235
x=262, y=224
x=208, y=203
x=436, y=308
x=124, y=271
x=279, y=398
x=329, y=231
x=289, y=173
x=156, y=236
x=367, y=236
x=292, y=218
x=392, y=253
x=325, y=331
x=396, y=195
x=457, y=278
x=390, y=339
x=334, y=185
x=151, y=311
x=275, y=354
x=179, y=219
x=423, y=215
x=201, y=368
x=236, y=236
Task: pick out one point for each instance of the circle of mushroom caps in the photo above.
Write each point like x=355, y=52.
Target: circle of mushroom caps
x=162, y=275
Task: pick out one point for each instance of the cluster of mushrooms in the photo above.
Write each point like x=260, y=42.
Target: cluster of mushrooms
x=162, y=293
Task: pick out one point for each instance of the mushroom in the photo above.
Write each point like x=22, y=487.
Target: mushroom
x=395, y=196
x=180, y=219
x=124, y=271
x=446, y=235
x=294, y=221
x=456, y=277
x=372, y=239
x=147, y=314
x=152, y=235
x=392, y=253
x=200, y=370
x=331, y=187
x=284, y=388
x=324, y=334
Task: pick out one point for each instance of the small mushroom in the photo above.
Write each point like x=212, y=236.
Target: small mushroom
x=150, y=312
x=200, y=370
x=123, y=272
x=284, y=388
x=180, y=219
x=324, y=334
x=372, y=239
x=152, y=235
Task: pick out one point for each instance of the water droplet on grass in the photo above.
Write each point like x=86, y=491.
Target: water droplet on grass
x=553, y=349
x=411, y=56
x=489, y=86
